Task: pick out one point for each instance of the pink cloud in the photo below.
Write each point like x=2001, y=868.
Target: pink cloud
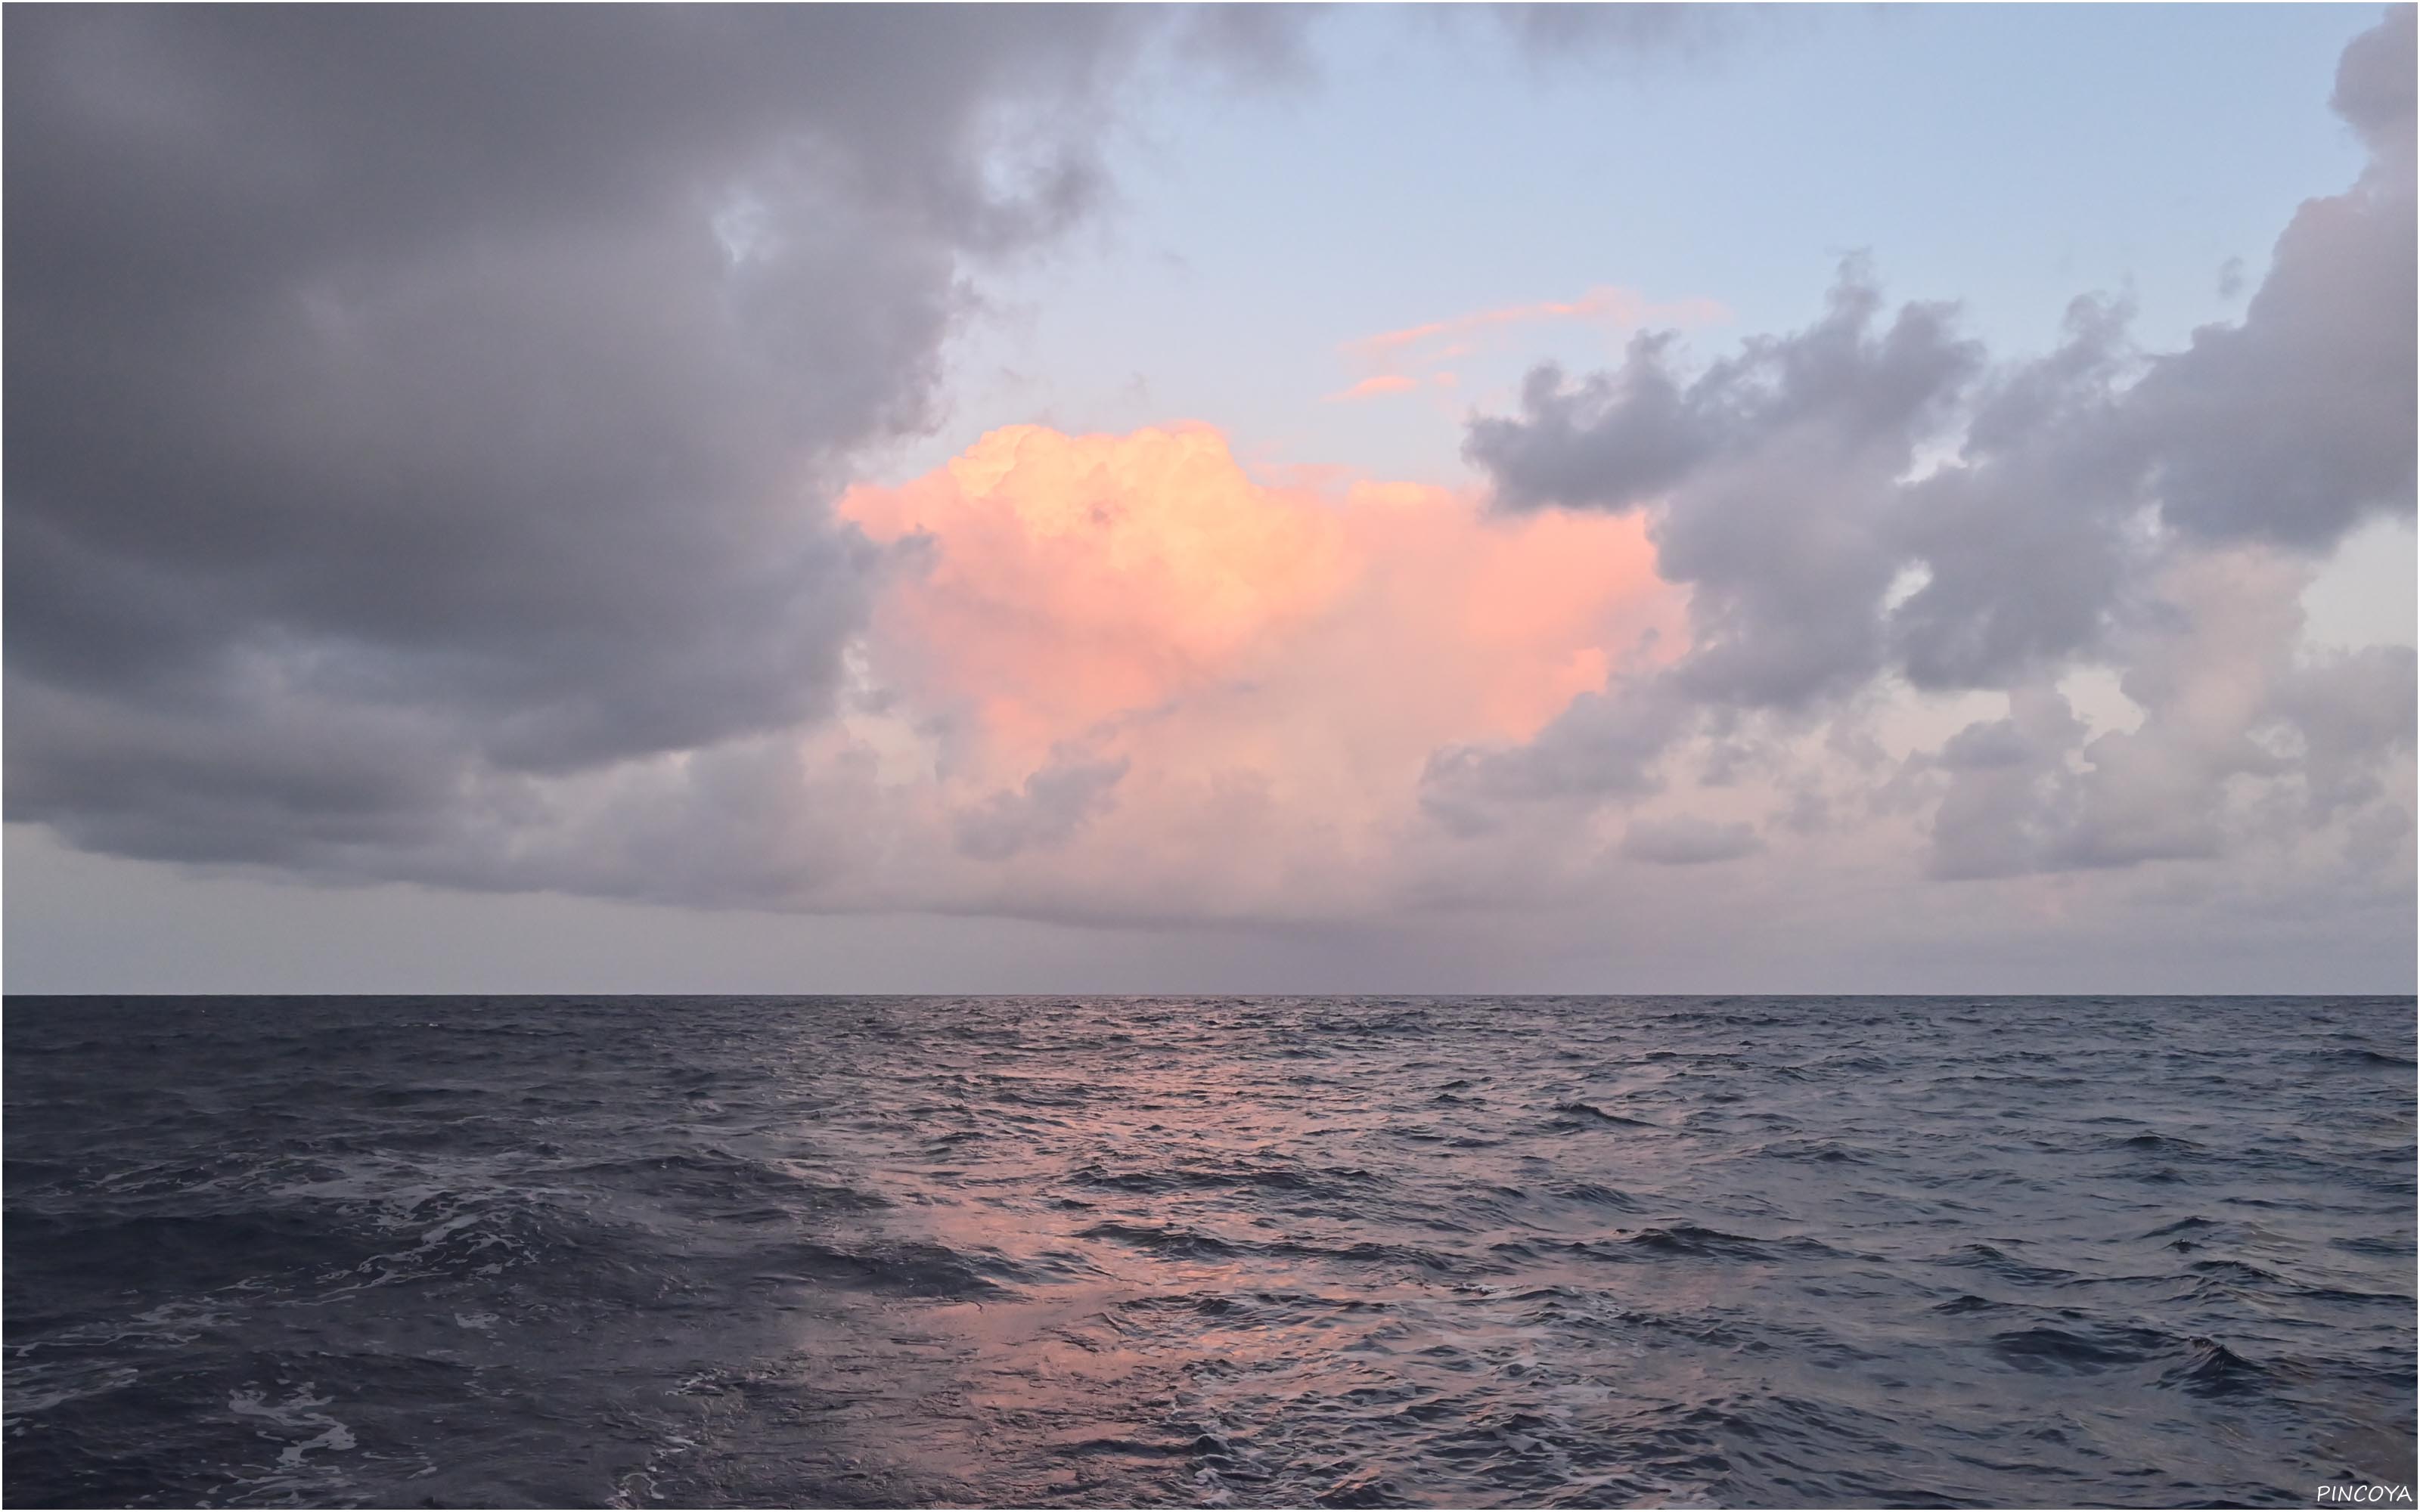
x=1390, y=350
x=1272, y=664
x=1074, y=578
x=1372, y=387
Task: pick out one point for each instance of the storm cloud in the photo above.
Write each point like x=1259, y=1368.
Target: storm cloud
x=402, y=402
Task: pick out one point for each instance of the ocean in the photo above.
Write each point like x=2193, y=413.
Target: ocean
x=1207, y=1251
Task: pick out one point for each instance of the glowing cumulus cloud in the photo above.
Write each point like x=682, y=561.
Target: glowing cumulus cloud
x=1248, y=676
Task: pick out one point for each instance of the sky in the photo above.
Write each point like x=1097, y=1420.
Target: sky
x=1373, y=499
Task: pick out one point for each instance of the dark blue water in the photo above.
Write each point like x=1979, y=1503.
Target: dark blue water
x=1350, y=1252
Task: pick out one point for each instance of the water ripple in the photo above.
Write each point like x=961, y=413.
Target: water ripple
x=1226, y=1252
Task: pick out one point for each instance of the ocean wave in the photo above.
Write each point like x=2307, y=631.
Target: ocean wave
x=1136, y=1252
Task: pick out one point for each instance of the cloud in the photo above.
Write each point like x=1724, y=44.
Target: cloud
x=2290, y=425
x=1070, y=583
x=2021, y=549
x=1773, y=470
x=1068, y=580
x=1105, y=678
x=2374, y=88
x=403, y=404
x=1785, y=482
x=2296, y=422
x=1607, y=743
x=2245, y=740
x=1873, y=502
x=1370, y=388
x=1590, y=37
x=1270, y=667
x=1605, y=305
x=1046, y=811
x=2008, y=801
x=438, y=457
x=1261, y=47
x=1684, y=840
x=1404, y=360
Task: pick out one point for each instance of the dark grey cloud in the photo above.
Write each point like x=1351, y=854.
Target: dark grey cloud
x=1621, y=439
x=2295, y=423
x=1621, y=36
x=1604, y=745
x=1776, y=470
x=1613, y=441
x=2290, y=425
x=1872, y=499
x=402, y=401
x=1254, y=47
x=2374, y=87
x=2022, y=543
